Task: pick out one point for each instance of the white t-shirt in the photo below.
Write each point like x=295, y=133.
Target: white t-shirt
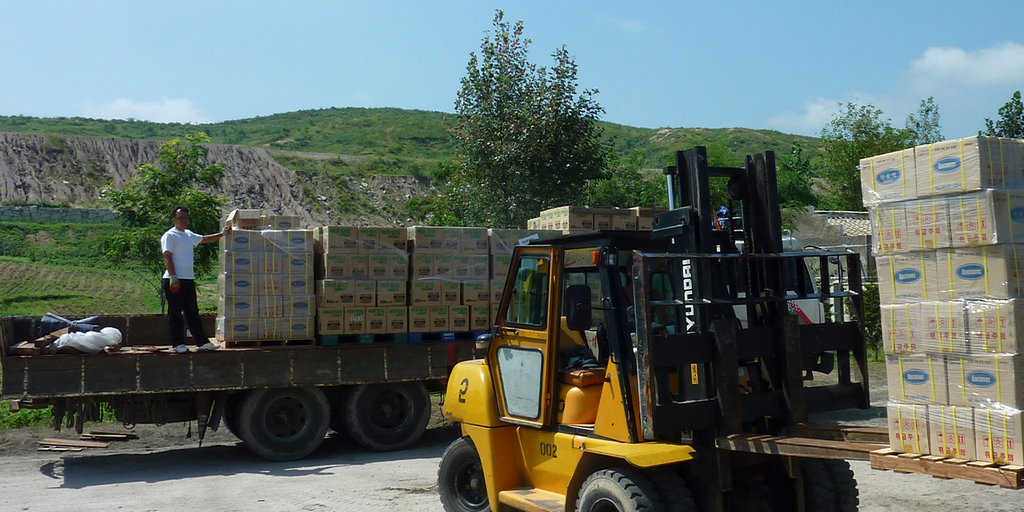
x=180, y=243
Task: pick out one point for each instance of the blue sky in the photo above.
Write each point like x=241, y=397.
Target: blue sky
x=753, y=64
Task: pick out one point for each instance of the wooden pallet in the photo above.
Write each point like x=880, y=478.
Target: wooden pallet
x=1010, y=477
x=265, y=343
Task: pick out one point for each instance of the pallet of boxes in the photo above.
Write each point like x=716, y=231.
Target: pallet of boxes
x=265, y=282
x=948, y=240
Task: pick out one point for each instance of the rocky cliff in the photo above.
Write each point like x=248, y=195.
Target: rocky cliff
x=49, y=168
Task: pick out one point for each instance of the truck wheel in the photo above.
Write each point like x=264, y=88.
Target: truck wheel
x=819, y=495
x=675, y=494
x=284, y=423
x=621, y=490
x=460, y=478
x=230, y=417
x=384, y=417
x=844, y=485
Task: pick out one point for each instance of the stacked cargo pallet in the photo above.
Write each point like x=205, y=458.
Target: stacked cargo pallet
x=265, y=282
x=948, y=222
x=569, y=219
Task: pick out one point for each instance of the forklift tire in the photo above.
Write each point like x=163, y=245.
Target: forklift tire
x=460, y=479
x=819, y=494
x=384, y=417
x=844, y=485
x=621, y=489
x=284, y=423
x=674, y=492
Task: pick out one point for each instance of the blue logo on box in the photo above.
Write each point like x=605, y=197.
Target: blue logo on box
x=241, y=261
x=299, y=262
x=241, y=240
x=241, y=328
x=302, y=305
x=1017, y=214
x=981, y=379
x=298, y=240
x=946, y=165
x=915, y=376
x=298, y=284
x=242, y=283
x=242, y=305
x=908, y=275
x=298, y=327
x=284, y=224
x=888, y=176
x=971, y=271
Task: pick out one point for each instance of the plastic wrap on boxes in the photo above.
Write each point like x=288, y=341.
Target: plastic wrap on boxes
x=888, y=177
x=998, y=435
x=968, y=164
x=986, y=380
x=904, y=278
x=952, y=432
x=243, y=306
x=286, y=306
x=992, y=325
x=917, y=379
x=908, y=428
x=901, y=326
x=927, y=225
x=988, y=272
x=290, y=241
x=889, y=229
x=241, y=262
x=263, y=329
x=943, y=326
x=337, y=239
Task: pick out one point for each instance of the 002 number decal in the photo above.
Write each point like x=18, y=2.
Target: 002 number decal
x=549, y=450
x=463, y=387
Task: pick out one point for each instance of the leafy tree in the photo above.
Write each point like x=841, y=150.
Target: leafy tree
x=925, y=123
x=624, y=185
x=145, y=203
x=855, y=132
x=1011, y=120
x=525, y=140
x=793, y=177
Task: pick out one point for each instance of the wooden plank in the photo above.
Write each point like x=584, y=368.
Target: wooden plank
x=1010, y=477
x=798, y=447
x=77, y=443
x=58, y=449
x=108, y=436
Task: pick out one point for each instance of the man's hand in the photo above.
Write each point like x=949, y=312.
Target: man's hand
x=175, y=284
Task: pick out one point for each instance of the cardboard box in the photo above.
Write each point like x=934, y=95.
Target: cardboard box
x=458, y=318
x=425, y=293
x=393, y=239
x=986, y=380
x=331, y=321
x=499, y=267
x=497, y=290
x=917, y=379
x=295, y=285
x=282, y=221
x=422, y=265
x=475, y=241
x=439, y=319
x=336, y=293
x=927, y=225
x=989, y=272
x=242, y=240
x=333, y=266
x=602, y=220
x=889, y=229
x=296, y=328
x=377, y=267
x=476, y=293
x=901, y=329
x=358, y=266
x=337, y=239
x=376, y=320
x=297, y=264
x=952, y=432
x=425, y=239
x=480, y=267
x=461, y=267
x=368, y=238
x=452, y=239
x=963, y=165
x=366, y=293
x=235, y=285
x=992, y=326
x=355, y=320
x=986, y=217
x=571, y=218
x=243, y=219
x=392, y=293
x=291, y=241
x=904, y=278
x=242, y=306
x=623, y=219
x=241, y=262
x=533, y=223
x=398, y=320
x=498, y=239
x=286, y=306
x=644, y=216
x=237, y=329
x=944, y=327
x=908, y=428
x=419, y=319
x=480, y=318
x=451, y=293
x=888, y=177
x=999, y=437
x=398, y=267
x=444, y=265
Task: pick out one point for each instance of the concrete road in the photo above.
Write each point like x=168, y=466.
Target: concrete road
x=227, y=477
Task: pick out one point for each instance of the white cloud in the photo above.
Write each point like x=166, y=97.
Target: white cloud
x=361, y=97
x=817, y=112
x=954, y=68
x=165, y=111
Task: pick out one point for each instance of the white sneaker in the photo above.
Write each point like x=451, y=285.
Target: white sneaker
x=181, y=349
x=209, y=345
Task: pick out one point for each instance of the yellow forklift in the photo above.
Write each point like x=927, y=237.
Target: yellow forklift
x=662, y=370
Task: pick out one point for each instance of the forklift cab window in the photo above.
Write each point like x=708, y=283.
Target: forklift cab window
x=528, y=302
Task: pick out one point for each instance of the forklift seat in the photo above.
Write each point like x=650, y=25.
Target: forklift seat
x=582, y=378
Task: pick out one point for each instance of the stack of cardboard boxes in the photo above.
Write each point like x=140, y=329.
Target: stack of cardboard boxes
x=265, y=281
x=948, y=229
x=587, y=218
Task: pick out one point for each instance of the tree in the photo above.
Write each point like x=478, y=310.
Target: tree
x=925, y=123
x=856, y=132
x=525, y=140
x=623, y=184
x=1011, y=120
x=145, y=203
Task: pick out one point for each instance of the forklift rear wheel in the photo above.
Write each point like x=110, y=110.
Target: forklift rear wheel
x=819, y=494
x=285, y=423
x=618, y=490
x=674, y=492
x=844, y=485
x=385, y=417
x=460, y=478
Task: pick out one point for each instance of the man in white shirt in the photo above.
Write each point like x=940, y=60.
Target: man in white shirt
x=179, y=281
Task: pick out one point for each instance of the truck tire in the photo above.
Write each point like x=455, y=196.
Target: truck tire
x=819, y=495
x=675, y=494
x=621, y=489
x=385, y=417
x=844, y=485
x=460, y=479
x=283, y=423
x=230, y=418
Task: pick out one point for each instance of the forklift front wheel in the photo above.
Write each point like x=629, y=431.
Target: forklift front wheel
x=621, y=489
x=460, y=479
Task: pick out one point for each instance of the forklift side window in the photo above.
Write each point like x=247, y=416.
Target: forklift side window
x=528, y=301
x=521, y=375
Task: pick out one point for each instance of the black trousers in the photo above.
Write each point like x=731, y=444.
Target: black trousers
x=184, y=301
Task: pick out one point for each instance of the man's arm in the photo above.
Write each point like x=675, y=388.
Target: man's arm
x=169, y=264
x=215, y=236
